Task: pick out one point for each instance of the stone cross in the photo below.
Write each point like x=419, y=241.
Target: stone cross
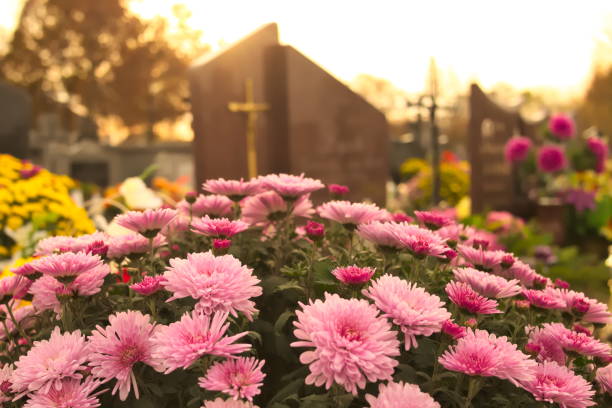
x=251, y=109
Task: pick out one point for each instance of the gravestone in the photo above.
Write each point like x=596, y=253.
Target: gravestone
x=312, y=123
x=494, y=183
x=15, y=117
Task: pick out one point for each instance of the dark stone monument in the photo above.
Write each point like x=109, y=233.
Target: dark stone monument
x=15, y=118
x=494, y=184
x=307, y=121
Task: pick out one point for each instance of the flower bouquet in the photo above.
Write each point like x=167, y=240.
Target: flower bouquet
x=250, y=295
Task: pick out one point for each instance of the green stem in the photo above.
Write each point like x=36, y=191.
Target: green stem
x=17, y=325
x=473, y=388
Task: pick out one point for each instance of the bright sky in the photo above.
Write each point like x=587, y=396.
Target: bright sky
x=526, y=43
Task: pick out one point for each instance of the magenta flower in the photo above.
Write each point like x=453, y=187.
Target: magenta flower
x=338, y=189
x=555, y=383
x=117, y=347
x=483, y=354
x=410, y=395
x=149, y=285
x=352, y=343
x=240, y=378
x=415, y=311
x=73, y=394
x=127, y=244
x=401, y=217
x=181, y=343
x=420, y=242
x=353, y=275
x=551, y=158
x=49, y=362
x=235, y=189
x=453, y=329
x=599, y=148
x=545, y=299
x=603, y=376
x=219, y=283
x=67, y=264
x=148, y=222
x=221, y=403
x=314, y=229
x=13, y=287
x=346, y=212
x=433, y=219
x=562, y=126
x=6, y=377
x=263, y=208
x=466, y=298
x=290, y=186
x=221, y=244
x=486, y=284
x=552, y=336
x=218, y=227
x=517, y=149
x=211, y=205
x=589, y=310
x=581, y=199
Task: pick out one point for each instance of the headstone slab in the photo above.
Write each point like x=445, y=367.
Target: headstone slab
x=315, y=124
x=494, y=183
x=15, y=118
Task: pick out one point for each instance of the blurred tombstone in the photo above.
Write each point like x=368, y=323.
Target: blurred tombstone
x=15, y=117
x=494, y=184
x=307, y=120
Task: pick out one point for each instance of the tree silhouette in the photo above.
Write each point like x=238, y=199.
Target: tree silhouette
x=95, y=58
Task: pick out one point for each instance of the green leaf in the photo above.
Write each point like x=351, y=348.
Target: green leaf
x=282, y=321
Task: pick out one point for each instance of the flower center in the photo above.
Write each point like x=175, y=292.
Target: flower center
x=130, y=355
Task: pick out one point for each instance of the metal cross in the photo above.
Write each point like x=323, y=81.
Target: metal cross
x=251, y=109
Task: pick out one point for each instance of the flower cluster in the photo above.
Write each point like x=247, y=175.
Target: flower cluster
x=341, y=304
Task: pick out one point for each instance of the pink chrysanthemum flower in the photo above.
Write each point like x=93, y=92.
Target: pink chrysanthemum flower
x=590, y=310
x=544, y=342
x=453, y=329
x=314, y=229
x=417, y=312
x=599, y=148
x=521, y=271
x=483, y=354
x=212, y=205
x=352, y=343
x=401, y=217
x=181, y=343
x=235, y=189
x=49, y=362
x=149, y=285
x=467, y=298
x=603, y=376
x=545, y=299
x=433, y=219
x=67, y=264
x=401, y=395
x=219, y=283
x=148, y=222
x=221, y=403
x=380, y=233
x=117, y=347
x=569, y=340
x=481, y=258
x=240, y=378
x=551, y=159
x=59, y=244
x=13, y=287
x=562, y=126
x=353, y=275
x=73, y=394
x=338, y=189
x=346, y=212
x=486, y=284
x=555, y=383
x=218, y=227
x=517, y=149
x=127, y=244
x=262, y=208
x=419, y=241
x=289, y=186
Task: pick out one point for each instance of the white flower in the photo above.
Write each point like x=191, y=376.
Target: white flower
x=138, y=196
